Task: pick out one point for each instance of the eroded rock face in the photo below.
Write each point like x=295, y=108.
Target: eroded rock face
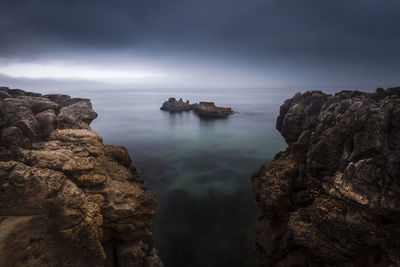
x=333, y=197
x=66, y=199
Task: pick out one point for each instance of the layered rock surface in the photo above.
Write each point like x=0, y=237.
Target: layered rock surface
x=333, y=197
x=66, y=199
x=203, y=109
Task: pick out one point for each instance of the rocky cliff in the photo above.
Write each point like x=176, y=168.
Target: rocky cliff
x=66, y=199
x=333, y=197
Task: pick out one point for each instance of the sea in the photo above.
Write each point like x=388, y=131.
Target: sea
x=200, y=169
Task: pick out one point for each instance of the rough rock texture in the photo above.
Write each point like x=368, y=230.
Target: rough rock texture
x=66, y=199
x=203, y=109
x=333, y=197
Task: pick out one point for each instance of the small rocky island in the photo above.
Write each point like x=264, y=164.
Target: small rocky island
x=202, y=109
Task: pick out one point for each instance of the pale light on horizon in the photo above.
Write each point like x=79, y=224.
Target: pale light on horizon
x=170, y=74
x=57, y=70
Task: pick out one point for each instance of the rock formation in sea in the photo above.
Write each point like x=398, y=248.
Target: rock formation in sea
x=176, y=106
x=209, y=110
x=203, y=109
x=66, y=199
x=333, y=197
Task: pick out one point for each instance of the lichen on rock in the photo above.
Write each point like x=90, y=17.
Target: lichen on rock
x=333, y=197
x=66, y=199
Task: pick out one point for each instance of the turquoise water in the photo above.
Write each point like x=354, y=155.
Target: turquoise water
x=200, y=169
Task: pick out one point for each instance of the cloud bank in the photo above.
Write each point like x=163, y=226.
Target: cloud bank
x=224, y=42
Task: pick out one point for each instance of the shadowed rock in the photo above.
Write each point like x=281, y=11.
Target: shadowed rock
x=176, y=106
x=47, y=123
x=66, y=198
x=333, y=197
x=210, y=110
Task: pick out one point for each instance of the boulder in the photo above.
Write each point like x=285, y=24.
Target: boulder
x=17, y=113
x=77, y=115
x=39, y=104
x=47, y=122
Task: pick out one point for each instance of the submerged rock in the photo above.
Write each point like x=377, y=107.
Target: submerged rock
x=66, y=199
x=203, y=109
x=333, y=197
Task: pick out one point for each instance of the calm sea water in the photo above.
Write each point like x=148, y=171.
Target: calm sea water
x=200, y=169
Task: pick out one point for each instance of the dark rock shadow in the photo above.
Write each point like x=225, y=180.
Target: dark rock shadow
x=216, y=230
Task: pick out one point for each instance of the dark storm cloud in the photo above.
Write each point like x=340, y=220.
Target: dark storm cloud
x=327, y=30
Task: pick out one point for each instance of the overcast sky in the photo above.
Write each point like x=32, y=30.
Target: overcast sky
x=203, y=43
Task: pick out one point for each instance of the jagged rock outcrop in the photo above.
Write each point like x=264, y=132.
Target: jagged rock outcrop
x=333, y=197
x=176, y=106
x=203, y=109
x=66, y=199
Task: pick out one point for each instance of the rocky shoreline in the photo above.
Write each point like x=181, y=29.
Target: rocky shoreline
x=202, y=109
x=333, y=197
x=66, y=198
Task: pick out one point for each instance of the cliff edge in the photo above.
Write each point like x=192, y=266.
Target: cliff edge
x=333, y=197
x=66, y=199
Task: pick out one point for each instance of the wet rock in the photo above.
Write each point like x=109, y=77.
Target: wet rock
x=332, y=198
x=67, y=199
